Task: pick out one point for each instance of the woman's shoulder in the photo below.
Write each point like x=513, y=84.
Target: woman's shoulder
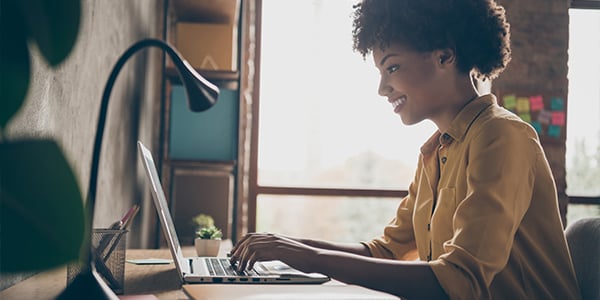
x=497, y=122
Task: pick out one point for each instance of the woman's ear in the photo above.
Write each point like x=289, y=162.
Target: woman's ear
x=446, y=56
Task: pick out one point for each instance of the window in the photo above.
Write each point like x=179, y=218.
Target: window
x=333, y=158
x=583, y=113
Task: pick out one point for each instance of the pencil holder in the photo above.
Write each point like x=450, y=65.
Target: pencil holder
x=108, y=247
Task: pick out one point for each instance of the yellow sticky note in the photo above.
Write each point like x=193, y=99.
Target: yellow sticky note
x=522, y=105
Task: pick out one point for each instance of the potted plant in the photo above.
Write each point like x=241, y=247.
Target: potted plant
x=40, y=198
x=208, y=236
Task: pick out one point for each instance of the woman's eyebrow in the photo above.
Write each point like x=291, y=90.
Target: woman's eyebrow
x=386, y=57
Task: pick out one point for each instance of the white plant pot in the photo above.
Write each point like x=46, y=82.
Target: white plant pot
x=207, y=247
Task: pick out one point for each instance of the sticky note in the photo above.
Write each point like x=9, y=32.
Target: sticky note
x=554, y=131
x=538, y=127
x=557, y=103
x=536, y=102
x=525, y=117
x=522, y=105
x=509, y=102
x=545, y=117
x=558, y=118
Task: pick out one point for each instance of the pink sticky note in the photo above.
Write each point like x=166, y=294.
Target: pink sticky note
x=536, y=102
x=558, y=118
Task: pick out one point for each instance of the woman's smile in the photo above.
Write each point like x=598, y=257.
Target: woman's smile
x=398, y=103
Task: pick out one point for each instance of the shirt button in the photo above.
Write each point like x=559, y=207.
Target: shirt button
x=444, y=160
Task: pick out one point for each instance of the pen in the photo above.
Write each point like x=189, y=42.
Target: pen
x=117, y=225
x=124, y=224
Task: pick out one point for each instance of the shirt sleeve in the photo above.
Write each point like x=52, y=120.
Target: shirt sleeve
x=398, y=237
x=500, y=177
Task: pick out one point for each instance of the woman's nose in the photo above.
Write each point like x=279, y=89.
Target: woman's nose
x=384, y=88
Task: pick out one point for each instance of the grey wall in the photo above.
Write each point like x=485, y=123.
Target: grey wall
x=63, y=103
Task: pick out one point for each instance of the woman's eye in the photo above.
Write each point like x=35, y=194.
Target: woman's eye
x=393, y=68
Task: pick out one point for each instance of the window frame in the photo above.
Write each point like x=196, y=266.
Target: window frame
x=578, y=199
x=254, y=189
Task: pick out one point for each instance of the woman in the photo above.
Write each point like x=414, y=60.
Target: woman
x=482, y=210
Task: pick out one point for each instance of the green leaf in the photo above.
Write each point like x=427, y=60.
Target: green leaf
x=53, y=25
x=209, y=233
x=14, y=62
x=41, y=209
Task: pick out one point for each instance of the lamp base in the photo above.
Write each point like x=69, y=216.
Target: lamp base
x=87, y=285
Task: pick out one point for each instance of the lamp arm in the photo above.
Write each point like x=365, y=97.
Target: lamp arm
x=175, y=57
x=88, y=282
x=189, y=76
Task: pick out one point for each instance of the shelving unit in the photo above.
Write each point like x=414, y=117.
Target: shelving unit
x=200, y=150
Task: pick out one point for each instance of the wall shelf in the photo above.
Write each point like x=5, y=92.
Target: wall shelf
x=222, y=79
x=206, y=11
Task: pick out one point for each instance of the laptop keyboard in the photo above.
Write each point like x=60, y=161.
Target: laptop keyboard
x=222, y=267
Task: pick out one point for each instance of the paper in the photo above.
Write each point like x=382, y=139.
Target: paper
x=558, y=118
x=509, y=102
x=545, y=117
x=538, y=127
x=554, y=131
x=150, y=261
x=522, y=105
x=525, y=117
x=557, y=103
x=536, y=103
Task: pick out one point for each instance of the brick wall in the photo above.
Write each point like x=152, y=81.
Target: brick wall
x=540, y=40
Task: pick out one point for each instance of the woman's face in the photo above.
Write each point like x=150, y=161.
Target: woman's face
x=411, y=81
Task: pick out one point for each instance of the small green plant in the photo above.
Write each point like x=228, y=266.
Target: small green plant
x=209, y=233
x=205, y=227
x=202, y=220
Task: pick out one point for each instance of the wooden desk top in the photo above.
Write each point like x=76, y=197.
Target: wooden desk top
x=160, y=280
x=163, y=282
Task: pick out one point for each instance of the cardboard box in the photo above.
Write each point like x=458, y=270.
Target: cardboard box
x=208, y=46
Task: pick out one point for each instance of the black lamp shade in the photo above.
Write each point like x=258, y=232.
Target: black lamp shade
x=201, y=94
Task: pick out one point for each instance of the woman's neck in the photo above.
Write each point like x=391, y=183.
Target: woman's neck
x=464, y=92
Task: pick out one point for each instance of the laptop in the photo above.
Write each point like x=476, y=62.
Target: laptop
x=214, y=269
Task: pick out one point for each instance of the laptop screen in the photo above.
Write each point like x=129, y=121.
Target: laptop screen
x=162, y=209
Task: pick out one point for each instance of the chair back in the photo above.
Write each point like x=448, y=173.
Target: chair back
x=583, y=237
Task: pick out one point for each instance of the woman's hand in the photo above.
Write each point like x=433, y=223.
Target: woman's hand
x=265, y=246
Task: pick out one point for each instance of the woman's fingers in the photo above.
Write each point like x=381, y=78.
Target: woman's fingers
x=259, y=247
x=246, y=248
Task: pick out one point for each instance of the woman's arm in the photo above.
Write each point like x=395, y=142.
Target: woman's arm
x=409, y=279
x=406, y=279
x=354, y=248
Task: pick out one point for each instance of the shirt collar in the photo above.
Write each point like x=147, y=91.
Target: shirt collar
x=460, y=125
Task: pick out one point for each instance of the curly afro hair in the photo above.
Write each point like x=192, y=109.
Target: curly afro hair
x=476, y=30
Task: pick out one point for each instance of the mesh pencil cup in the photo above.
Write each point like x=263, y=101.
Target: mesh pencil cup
x=109, y=256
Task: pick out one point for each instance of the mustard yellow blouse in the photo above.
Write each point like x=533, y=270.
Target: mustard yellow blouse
x=483, y=211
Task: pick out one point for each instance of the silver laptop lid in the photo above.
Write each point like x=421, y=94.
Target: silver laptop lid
x=164, y=215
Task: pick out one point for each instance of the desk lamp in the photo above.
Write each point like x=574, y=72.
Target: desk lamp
x=201, y=95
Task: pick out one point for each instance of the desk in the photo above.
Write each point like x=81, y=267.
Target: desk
x=159, y=280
